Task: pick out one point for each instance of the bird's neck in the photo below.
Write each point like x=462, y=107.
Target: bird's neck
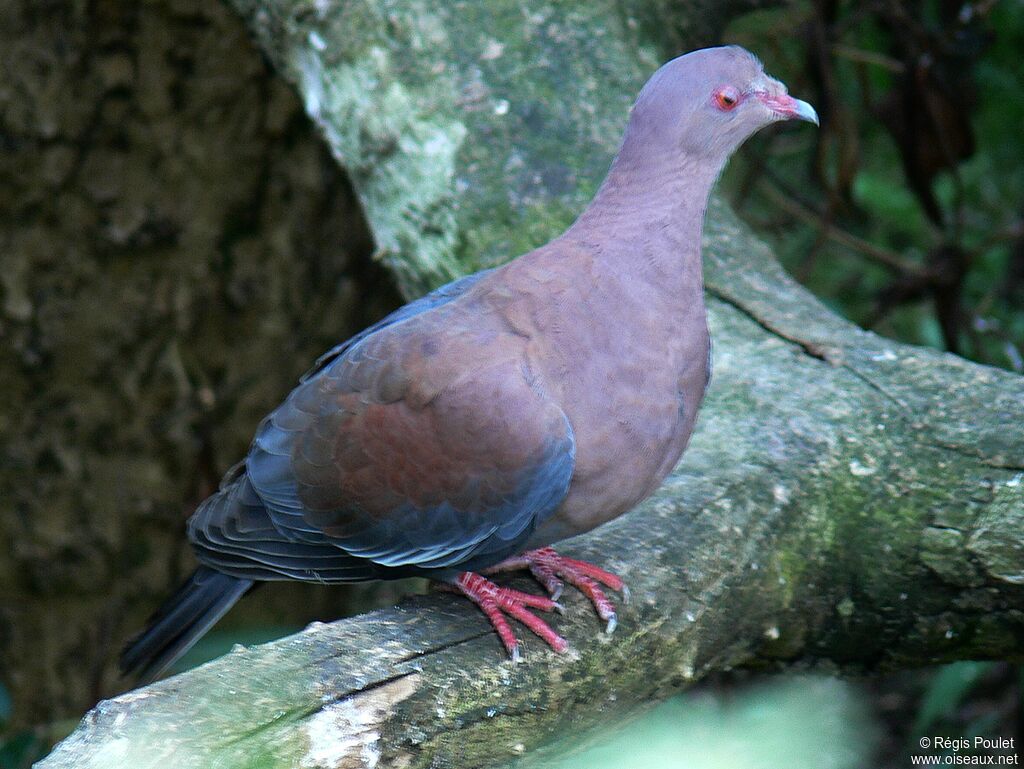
x=648, y=216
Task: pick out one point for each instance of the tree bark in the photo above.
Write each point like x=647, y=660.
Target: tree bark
x=473, y=132
x=176, y=246
x=846, y=500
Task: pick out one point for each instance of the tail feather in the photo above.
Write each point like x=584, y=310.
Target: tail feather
x=181, y=621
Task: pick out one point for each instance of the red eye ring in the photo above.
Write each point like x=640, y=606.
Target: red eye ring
x=726, y=98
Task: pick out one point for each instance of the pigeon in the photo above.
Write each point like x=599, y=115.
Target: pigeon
x=470, y=430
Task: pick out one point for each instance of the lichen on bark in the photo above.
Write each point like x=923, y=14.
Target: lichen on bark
x=427, y=99
x=454, y=119
x=176, y=246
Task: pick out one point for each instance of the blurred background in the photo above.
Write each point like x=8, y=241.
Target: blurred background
x=176, y=247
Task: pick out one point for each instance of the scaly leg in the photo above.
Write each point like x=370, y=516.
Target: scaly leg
x=496, y=602
x=550, y=569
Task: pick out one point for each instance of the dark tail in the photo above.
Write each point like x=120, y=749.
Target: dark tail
x=181, y=621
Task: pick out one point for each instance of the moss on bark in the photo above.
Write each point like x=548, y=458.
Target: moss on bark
x=176, y=246
x=473, y=131
x=799, y=530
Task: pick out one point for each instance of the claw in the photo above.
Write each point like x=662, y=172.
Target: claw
x=496, y=602
x=550, y=569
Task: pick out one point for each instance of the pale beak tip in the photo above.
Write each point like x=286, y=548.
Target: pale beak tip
x=804, y=111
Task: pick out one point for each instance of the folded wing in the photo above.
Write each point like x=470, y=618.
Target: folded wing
x=424, y=445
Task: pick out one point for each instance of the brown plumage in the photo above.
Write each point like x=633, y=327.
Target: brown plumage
x=505, y=411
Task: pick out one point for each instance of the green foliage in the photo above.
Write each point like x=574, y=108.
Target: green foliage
x=19, y=748
x=854, y=182
x=946, y=691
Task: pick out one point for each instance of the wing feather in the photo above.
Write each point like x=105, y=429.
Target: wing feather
x=418, y=445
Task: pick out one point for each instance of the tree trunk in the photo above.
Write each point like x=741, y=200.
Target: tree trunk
x=176, y=246
x=845, y=500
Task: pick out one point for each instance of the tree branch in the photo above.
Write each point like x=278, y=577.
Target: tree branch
x=846, y=500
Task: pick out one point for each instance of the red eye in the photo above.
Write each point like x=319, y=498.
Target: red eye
x=726, y=98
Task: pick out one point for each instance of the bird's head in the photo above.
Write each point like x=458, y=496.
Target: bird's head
x=708, y=102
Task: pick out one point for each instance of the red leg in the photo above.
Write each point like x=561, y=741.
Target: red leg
x=496, y=601
x=550, y=568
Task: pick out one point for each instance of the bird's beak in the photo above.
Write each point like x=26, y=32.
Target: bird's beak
x=788, y=108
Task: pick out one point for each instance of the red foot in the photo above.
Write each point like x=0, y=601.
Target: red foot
x=494, y=600
x=550, y=569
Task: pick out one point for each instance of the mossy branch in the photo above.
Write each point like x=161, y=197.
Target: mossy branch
x=846, y=500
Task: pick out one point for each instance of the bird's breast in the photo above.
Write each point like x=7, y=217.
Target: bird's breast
x=631, y=374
